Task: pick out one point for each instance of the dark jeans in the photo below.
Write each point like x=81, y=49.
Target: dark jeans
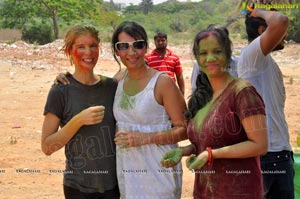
x=71, y=193
x=278, y=175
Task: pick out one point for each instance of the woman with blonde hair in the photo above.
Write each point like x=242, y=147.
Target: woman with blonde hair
x=78, y=116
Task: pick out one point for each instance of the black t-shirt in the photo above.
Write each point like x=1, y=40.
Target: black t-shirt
x=90, y=154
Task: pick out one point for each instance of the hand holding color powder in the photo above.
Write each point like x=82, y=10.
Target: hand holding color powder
x=172, y=157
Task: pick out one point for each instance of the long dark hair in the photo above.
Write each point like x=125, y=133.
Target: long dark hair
x=203, y=92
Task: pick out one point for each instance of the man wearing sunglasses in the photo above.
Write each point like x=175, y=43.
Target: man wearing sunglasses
x=163, y=59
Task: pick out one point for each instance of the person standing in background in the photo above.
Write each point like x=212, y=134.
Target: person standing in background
x=161, y=59
x=266, y=32
x=164, y=60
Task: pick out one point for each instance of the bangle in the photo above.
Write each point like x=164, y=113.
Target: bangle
x=210, y=157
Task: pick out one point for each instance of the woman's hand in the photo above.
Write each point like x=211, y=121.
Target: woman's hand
x=92, y=115
x=62, y=78
x=171, y=158
x=198, y=162
x=131, y=139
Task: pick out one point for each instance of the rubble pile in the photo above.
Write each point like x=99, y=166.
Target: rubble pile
x=41, y=57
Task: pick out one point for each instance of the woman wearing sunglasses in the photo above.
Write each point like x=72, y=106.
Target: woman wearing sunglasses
x=149, y=109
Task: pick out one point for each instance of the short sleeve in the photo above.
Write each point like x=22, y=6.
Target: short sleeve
x=55, y=101
x=178, y=67
x=249, y=102
x=252, y=61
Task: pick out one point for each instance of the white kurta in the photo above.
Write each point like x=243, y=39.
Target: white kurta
x=140, y=174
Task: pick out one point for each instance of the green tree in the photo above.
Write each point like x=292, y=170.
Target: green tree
x=131, y=9
x=294, y=28
x=16, y=13
x=146, y=6
x=39, y=33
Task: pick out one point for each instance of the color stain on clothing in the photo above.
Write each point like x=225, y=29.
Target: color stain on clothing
x=201, y=115
x=127, y=102
x=128, y=96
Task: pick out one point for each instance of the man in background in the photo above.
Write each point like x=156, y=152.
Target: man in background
x=266, y=32
x=164, y=60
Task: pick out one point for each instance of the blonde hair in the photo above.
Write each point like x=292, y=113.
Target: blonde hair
x=74, y=32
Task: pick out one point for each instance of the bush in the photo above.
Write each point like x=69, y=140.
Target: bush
x=37, y=33
x=294, y=29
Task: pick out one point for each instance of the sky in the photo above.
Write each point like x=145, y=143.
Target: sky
x=136, y=2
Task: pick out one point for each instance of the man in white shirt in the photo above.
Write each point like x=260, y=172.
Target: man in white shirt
x=266, y=31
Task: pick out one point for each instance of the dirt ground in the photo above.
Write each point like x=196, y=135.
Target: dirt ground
x=26, y=74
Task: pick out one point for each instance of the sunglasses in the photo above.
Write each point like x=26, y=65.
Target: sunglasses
x=124, y=46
